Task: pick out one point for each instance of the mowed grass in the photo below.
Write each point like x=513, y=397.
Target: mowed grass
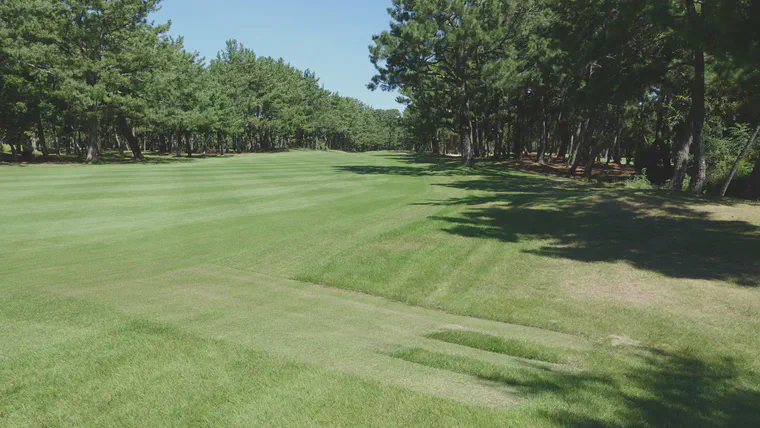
x=223, y=292
x=502, y=345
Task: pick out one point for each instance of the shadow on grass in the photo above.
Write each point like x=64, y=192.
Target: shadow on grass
x=650, y=230
x=679, y=390
x=148, y=160
x=423, y=166
x=114, y=159
x=659, y=389
x=683, y=389
x=653, y=231
x=676, y=242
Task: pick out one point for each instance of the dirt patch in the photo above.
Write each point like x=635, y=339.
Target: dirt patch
x=609, y=172
x=603, y=171
x=616, y=341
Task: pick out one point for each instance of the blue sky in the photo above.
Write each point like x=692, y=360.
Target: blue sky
x=329, y=37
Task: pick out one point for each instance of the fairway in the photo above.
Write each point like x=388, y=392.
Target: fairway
x=329, y=288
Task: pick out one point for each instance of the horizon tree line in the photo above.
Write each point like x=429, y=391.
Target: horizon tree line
x=84, y=76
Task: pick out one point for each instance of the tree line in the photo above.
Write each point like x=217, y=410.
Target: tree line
x=80, y=77
x=672, y=85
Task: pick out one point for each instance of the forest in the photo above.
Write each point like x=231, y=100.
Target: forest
x=671, y=86
x=83, y=77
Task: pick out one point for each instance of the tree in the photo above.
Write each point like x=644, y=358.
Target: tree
x=450, y=41
x=30, y=67
x=76, y=70
x=108, y=42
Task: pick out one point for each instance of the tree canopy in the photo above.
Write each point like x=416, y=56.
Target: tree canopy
x=94, y=75
x=664, y=83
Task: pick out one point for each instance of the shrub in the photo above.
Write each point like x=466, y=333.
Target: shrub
x=639, y=182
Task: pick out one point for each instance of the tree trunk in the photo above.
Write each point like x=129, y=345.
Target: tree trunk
x=517, y=142
x=120, y=144
x=497, y=146
x=475, y=138
x=731, y=174
x=542, y=144
x=697, y=115
x=576, y=162
x=699, y=178
x=483, y=149
x=551, y=146
x=682, y=159
x=14, y=152
x=616, y=156
x=465, y=134
x=589, y=171
x=220, y=143
x=178, y=147
x=581, y=148
x=161, y=143
x=575, y=142
x=753, y=190
x=564, y=130
x=189, y=145
x=78, y=143
x=92, y=139
x=130, y=135
x=57, y=141
x=41, y=135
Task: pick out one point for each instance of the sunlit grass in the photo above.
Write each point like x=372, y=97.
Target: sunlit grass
x=211, y=291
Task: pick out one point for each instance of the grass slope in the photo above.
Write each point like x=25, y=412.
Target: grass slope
x=182, y=293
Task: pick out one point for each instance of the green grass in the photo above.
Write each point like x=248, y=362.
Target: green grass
x=223, y=291
x=527, y=380
x=502, y=345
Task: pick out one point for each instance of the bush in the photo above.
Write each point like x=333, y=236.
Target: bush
x=639, y=182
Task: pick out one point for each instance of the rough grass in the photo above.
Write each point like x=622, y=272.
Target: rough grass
x=183, y=293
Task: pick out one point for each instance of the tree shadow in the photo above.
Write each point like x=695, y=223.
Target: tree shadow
x=421, y=166
x=660, y=389
x=683, y=389
x=643, y=387
x=110, y=158
x=650, y=230
x=114, y=159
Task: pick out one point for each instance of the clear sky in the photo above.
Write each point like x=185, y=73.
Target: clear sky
x=330, y=37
